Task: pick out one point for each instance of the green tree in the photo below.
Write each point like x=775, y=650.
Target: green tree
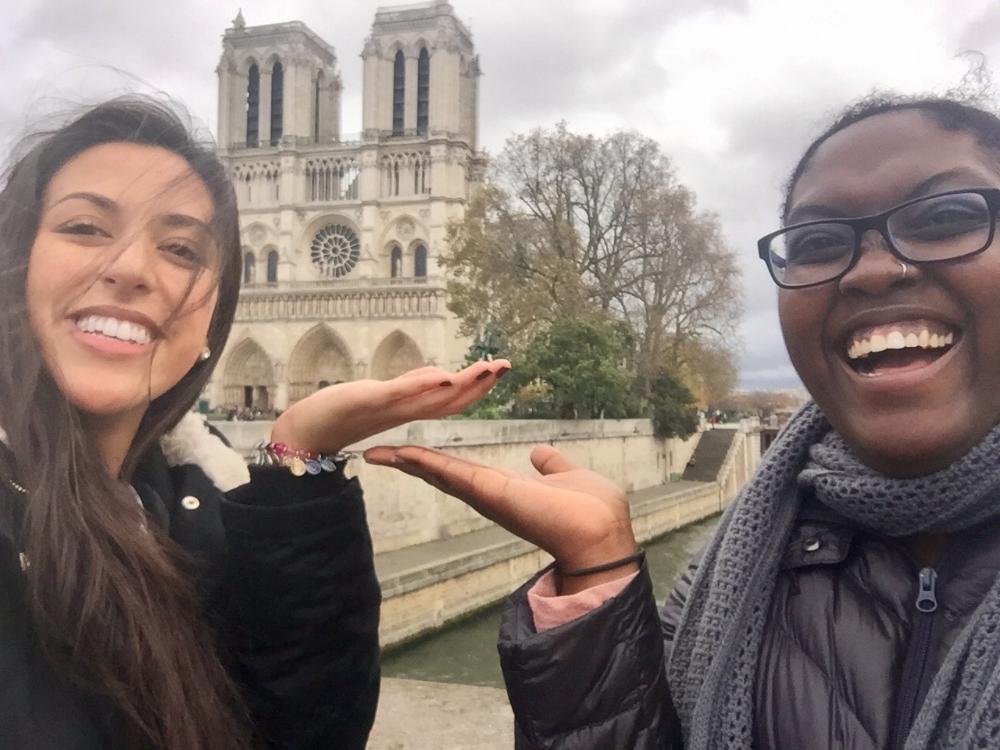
x=672, y=405
x=576, y=368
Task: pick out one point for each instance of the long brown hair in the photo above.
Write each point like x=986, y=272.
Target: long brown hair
x=112, y=607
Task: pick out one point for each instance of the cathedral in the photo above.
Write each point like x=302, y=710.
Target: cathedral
x=342, y=232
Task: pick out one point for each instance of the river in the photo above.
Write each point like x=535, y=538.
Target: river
x=465, y=652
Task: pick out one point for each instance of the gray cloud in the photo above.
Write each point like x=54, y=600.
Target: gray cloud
x=733, y=89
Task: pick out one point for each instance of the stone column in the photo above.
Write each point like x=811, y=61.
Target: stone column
x=372, y=91
x=223, y=124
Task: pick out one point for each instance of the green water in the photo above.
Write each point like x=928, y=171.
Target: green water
x=466, y=652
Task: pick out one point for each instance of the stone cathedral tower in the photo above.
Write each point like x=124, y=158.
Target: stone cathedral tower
x=342, y=232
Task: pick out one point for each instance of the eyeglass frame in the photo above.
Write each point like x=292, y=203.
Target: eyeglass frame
x=880, y=222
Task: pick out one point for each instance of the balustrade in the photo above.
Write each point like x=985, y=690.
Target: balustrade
x=418, y=300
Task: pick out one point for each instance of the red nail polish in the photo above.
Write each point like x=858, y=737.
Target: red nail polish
x=444, y=383
x=484, y=374
x=502, y=371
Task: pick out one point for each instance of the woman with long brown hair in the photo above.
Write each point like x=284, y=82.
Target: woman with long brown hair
x=155, y=592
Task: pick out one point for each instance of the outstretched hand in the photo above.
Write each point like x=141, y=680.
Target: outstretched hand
x=343, y=414
x=574, y=514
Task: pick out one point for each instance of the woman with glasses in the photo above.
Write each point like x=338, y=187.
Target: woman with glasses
x=851, y=595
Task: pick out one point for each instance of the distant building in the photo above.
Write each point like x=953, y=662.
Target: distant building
x=342, y=233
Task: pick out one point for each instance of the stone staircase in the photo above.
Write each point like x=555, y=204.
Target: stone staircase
x=710, y=454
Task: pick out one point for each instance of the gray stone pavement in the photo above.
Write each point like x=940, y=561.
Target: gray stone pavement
x=415, y=715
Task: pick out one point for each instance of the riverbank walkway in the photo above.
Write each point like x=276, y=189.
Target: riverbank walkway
x=419, y=715
x=427, y=585
x=421, y=563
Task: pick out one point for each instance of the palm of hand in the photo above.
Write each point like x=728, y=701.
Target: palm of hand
x=343, y=414
x=576, y=515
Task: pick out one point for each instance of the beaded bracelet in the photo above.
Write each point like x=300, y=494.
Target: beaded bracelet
x=299, y=462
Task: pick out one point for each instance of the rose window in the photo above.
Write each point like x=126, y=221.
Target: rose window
x=335, y=250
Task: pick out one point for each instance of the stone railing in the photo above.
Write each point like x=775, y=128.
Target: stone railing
x=740, y=462
x=331, y=301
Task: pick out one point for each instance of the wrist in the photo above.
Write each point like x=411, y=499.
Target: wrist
x=609, y=561
x=567, y=585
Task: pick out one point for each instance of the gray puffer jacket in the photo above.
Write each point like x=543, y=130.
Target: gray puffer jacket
x=847, y=658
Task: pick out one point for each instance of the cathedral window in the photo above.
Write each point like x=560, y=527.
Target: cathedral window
x=398, y=92
x=249, y=268
x=277, y=102
x=395, y=178
x=420, y=262
x=272, y=267
x=396, y=267
x=253, y=105
x=335, y=250
x=423, y=91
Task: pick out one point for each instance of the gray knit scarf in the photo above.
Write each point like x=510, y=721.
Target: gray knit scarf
x=714, y=660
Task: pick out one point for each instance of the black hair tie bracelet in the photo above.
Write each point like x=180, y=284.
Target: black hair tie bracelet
x=636, y=557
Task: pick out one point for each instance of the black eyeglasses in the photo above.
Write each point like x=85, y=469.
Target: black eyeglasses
x=931, y=229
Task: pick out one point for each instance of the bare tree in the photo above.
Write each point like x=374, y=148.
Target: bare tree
x=568, y=222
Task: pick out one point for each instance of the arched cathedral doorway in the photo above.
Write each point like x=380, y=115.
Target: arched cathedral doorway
x=248, y=379
x=319, y=359
x=395, y=355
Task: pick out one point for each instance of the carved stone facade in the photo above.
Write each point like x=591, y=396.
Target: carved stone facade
x=342, y=233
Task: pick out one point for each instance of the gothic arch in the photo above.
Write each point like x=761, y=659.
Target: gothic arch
x=277, y=101
x=248, y=378
x=401, y=230
x=323, y=219
x=423, y=90
x=395, y=261
x=395, y=355
x=320, y=357
x=273, y=259
x=253, y=105
x=246, y=63
x=420, y=260
x=249, y=267
x=257, y=235
x=398, y=91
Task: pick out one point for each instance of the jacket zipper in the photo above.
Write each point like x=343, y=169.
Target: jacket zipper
x=915, y=666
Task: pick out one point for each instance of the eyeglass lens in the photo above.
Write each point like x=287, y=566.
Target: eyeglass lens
x=940, y=227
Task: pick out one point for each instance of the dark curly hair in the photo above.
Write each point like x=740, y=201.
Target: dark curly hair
x=949, y=113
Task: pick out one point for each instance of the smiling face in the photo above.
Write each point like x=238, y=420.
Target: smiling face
x=911, y=411
x=122, y=276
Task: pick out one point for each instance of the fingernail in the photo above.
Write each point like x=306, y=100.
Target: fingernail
x=502, y=371
x=444, y=383
x=484, y=374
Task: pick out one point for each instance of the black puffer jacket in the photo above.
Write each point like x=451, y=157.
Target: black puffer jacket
x=846, y=661
x=286, y=571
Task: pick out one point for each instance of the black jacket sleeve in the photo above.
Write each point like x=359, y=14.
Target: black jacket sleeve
x=595, y=682
x=301, y=624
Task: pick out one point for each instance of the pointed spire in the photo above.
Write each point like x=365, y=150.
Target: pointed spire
x=238, y=23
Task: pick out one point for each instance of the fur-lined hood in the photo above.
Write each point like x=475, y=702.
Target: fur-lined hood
x=193, y=442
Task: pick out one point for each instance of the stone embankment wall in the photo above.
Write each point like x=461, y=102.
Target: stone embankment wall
x=403, y=511
x=438, y=561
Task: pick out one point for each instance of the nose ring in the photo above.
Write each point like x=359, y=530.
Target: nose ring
x=903, y=266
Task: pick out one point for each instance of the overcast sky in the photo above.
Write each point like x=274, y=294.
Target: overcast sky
x=732, y=89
